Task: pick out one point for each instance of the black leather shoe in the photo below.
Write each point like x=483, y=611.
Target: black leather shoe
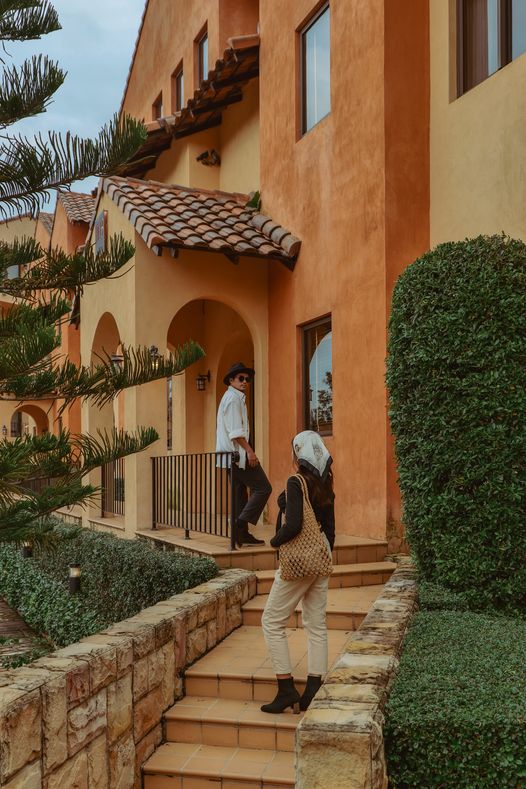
x=311, y=688
x=249, y=539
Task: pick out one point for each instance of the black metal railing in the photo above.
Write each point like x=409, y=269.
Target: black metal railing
x=113, y=490
x=195, y=493
x=36, y=485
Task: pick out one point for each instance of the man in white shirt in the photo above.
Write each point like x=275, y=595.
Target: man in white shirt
x=233, y=433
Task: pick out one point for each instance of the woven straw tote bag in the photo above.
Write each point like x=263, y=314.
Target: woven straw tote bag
x=308, y=552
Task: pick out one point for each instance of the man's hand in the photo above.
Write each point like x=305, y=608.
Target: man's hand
x=252, y=458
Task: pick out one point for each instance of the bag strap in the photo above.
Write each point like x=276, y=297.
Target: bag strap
x=304, y=488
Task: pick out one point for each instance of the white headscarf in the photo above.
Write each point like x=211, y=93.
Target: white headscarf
x=312, y=453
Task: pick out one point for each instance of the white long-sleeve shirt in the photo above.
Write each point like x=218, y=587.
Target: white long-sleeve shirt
x=232, y=423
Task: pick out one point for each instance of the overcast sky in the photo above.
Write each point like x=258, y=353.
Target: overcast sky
x=95, y=47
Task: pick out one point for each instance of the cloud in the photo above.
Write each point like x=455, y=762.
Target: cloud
x=95, y=47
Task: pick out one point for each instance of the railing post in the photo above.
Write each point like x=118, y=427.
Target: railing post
x=154, y=494
x=234, y=458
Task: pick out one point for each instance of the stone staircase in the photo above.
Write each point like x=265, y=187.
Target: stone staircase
x=216, y=737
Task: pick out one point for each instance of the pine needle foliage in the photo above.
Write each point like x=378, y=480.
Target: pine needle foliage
x=40, y=474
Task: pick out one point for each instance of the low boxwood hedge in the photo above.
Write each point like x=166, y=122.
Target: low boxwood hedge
x=119, y=578
x=456, y=717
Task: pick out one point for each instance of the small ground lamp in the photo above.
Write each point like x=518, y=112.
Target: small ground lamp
x=74, y=578
x=201, y=381
x=27, y=549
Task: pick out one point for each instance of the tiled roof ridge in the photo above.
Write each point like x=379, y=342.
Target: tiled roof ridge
x=190, y=218
x=79, y=206
x=239, y=196
x=46, y=219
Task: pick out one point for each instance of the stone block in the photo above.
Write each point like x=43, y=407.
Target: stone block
x=98, y=764
x=140, y=678
x=54, y=723
x=30, y=777
x=234, y=618
x=180, y=644
x=165, y=631
x=86, y=722
x=207, y=610
x=195, y=644
x=234, y=594
x=332, y=758
x=147, y=713
x=122, y=763
x=20, y=731
x=211, y=634
x=370, y=669
x=221, y=615
x=77, y=683
x=168, y=682
x=335, y=694
x=191, y=619
x=73, y=774
x=144, y=749
x=155, y=668
x=120, y=705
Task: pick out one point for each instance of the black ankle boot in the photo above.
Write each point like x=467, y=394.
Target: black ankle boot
x=287, y=696
x=311, y=688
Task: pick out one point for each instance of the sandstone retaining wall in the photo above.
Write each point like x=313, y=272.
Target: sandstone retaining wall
x=89, y=715
x=339, y=742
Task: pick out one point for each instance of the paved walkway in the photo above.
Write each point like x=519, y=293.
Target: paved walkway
x=16, y=637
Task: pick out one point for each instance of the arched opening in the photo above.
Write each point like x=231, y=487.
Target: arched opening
x=29, y=420
x=225, y=338
x=107, y=342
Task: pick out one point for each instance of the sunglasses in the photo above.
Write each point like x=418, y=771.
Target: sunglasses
x=243, y=378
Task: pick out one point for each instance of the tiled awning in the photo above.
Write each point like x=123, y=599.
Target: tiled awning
x=78, y=207
x=177, y=217
x=46, y=220
x=224, y=86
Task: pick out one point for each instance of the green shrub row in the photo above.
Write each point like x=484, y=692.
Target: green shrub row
x=456, y=717
x=457, y=385
x=119, y=578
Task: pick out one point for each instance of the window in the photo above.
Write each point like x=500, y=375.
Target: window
x=13, y=271
x=202, y=57
x=178, y=89
x=315, y=70
x=157, y=107
x=317, y=376
x=490, y=34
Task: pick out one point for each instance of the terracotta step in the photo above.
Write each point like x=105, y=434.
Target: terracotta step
x=226, y=722
x=347, y=549
x=343, y=576
x=239, y=667
x=194, y=766
x=346, y=608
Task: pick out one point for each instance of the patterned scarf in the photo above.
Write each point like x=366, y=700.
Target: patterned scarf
x=312, y=453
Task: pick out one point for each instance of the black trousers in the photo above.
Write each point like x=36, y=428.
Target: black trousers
x=248, y=508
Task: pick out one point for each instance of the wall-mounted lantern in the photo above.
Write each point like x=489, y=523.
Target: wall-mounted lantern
x=156, y=356
x=201, y=381
x=117, y=362
x=26, y=430
x=74, y=578
x=27, y=549
x=4, y=431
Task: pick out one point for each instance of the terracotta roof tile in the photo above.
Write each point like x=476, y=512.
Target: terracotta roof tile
x=178, y=217
x=46, y=220
x=78, y=207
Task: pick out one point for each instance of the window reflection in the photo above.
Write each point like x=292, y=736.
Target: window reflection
x=317, y=343
x=316, y=63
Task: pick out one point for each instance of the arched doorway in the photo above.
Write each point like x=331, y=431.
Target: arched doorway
x=225, y=338
x=107, y=342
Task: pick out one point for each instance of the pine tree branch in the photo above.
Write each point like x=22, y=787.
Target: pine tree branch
x=56, y=270
x=30, y=169
x=20, y=252
x=24, y=20
x=42, y=313
x=27, y=350
x=27, y=90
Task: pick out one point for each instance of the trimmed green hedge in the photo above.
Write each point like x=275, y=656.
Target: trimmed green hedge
x=456, y=718
x=119, y=578
x=457, y=383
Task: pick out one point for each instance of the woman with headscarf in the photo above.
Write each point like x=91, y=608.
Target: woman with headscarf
x=313, y=463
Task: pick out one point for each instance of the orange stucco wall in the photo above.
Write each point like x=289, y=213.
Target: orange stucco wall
x=169, y=30
x=335, y=188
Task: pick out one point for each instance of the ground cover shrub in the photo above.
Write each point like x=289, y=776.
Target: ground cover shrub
x=456, y=717
x=119, y=578
x=457, y=385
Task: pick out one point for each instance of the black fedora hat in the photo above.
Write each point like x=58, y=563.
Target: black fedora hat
x=237, y=367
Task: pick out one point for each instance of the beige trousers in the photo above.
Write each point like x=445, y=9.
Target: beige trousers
x=283, y=598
